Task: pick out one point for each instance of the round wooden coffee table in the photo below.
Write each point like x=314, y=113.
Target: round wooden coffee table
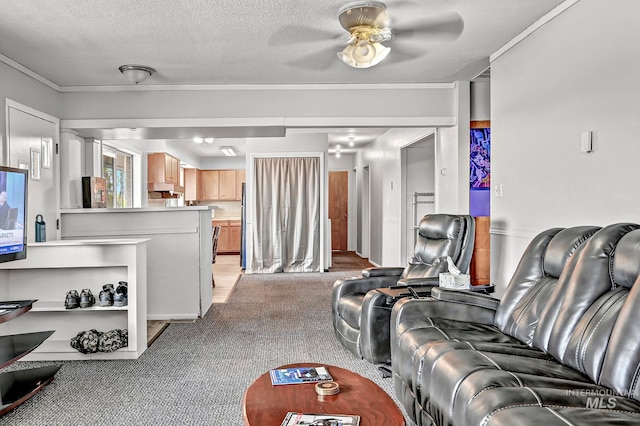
x=266, y=405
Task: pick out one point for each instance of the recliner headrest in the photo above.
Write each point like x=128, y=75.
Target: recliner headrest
x=562, y=247
x=440, y=226
x=626, y=268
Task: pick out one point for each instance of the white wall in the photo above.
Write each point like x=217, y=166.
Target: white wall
x=578, y=72
x=223, y=163
x=481, y=100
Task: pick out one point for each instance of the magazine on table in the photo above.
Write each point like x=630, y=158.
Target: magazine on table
x=300, y=419
x=290, y=376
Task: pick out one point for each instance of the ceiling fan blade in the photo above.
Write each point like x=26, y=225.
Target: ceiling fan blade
x=445, y=27
x=400, y=53
x=320, y=59
x=297, y=34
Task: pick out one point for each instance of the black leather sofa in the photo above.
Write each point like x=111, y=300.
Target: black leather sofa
x=561, y=347
x=361, y=314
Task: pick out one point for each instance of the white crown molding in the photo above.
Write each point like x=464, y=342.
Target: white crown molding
x=109, y=123
x=27, y=71
x=532, y=28
x=254, y=87
x=375, y=122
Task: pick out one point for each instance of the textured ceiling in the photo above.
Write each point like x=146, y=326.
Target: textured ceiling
x=82, y=43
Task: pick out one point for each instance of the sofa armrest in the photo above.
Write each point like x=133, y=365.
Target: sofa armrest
x=361, y=285
x=465, y=297
x=381, y=271
x=419, y=282
x=409, y=312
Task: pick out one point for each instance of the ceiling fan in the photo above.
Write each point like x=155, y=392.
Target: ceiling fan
x=372, y=34
x=368, y=25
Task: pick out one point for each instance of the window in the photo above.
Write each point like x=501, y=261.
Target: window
x=117, y=170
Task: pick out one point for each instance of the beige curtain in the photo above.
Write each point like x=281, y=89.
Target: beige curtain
x=286, y=215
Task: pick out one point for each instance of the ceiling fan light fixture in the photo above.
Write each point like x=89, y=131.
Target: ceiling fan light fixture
x=368, y=25
x=364, y=55
x=136, y=73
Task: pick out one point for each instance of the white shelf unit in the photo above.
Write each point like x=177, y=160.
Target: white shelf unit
x=52, y=269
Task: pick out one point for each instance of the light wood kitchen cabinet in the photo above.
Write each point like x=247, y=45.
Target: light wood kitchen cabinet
x=227, y=189
x=222, y=185
x=163, y=168
x=223, y=237
x=229, y=238
x=192, y=184
x=234, y=236
x=210, y=184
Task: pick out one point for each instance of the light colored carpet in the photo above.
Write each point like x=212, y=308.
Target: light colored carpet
x=196, y=374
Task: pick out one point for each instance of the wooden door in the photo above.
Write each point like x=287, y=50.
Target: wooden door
x=338, y=209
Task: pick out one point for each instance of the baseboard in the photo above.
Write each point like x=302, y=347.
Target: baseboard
x=171, y=317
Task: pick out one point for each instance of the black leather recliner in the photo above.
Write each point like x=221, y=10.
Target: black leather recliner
x=361, y=314
x=562, y=350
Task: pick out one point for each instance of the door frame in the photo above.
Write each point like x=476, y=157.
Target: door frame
x=55, y=158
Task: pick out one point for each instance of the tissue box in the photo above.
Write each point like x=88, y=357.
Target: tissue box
x=449, y=280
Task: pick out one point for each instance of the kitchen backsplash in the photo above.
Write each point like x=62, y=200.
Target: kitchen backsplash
x=231, y=209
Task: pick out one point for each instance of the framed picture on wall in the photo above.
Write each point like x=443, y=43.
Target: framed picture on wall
x=46, y=154
x=35, y=164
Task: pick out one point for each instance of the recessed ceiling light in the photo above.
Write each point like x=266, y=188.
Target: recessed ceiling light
x=228, y=151
x=198, y=140
x=351, y=138
x=208, y=140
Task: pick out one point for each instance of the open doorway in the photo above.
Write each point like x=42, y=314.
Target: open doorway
x=418, y=163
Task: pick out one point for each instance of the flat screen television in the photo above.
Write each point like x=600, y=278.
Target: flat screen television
x=13, y=212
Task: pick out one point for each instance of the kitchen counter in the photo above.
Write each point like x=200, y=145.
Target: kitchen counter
x=139, y=209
